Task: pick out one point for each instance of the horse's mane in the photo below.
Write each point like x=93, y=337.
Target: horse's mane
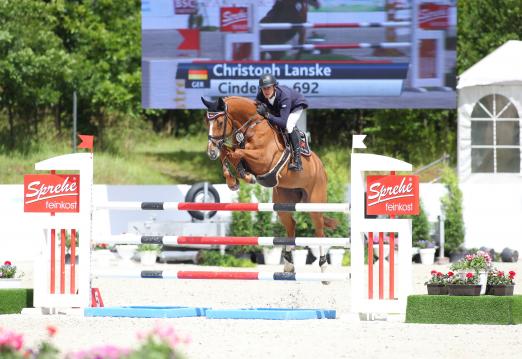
x=243, y=100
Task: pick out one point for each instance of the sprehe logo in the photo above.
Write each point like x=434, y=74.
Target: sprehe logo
x=51, y=193
x=392, y=195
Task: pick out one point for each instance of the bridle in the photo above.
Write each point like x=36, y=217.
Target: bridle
x=238, y=134
x=218, y=141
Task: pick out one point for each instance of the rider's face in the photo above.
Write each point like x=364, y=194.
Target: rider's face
x=268, y=91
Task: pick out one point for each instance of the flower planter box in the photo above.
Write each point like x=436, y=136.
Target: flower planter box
x=10, y=283
x=464, y=289
x=501, y=290
x=437, y=289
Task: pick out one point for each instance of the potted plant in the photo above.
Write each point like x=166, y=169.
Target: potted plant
x=501, y=284
x=299, y=255
x=148, y=253
x=478, y=263
x=8, y=276
x=466, y=286
x=272, y=255
x=336, y=256
x=438, y=283
x=426, y=251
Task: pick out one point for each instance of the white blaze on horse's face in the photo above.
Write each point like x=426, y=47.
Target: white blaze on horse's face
x=212, y=150
x=215, y=121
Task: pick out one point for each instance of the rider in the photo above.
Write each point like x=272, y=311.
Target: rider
x=286, y=107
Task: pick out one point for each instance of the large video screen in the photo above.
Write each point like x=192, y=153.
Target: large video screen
x=339, y=54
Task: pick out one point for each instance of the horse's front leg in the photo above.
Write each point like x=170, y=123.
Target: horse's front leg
x=235, y=158
x=231, y=181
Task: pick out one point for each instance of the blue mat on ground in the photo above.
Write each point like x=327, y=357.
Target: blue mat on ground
x=145, y=312
x=271, y=313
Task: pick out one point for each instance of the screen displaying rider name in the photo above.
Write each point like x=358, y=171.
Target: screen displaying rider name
x=339, y=54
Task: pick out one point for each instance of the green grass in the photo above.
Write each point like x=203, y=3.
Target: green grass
x=157, y=161
x=12, y=301
x=484, y=309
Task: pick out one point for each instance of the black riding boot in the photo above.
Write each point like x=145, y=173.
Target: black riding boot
x=294, y=139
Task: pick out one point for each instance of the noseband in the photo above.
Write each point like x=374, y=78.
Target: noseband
x=218, y=141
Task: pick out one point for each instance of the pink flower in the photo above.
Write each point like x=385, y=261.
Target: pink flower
x=469, y=275
x=51, y=330
x=10, y=339
x=450, y=274
x=7, y=263
x=434, y=272
x=469, y=257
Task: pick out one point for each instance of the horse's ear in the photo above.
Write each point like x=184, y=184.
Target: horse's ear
x=221, y=104
x=208, y=104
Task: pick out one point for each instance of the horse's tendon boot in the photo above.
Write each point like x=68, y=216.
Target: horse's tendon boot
x=323, y=264
x=287, y=260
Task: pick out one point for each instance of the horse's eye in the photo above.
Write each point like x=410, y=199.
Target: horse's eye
x=220, y=125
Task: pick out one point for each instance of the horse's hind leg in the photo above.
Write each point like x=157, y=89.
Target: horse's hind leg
x=287, y=219
x=289, y=223
x=319, y=196
x=318, y=221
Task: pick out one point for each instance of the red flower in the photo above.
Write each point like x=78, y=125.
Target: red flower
x=469, y=275
x=450, y=274
x=433, y=272
x=500, y=274
x=7, y=263
x=51, y=330
x=439, y=274
x=511, y=273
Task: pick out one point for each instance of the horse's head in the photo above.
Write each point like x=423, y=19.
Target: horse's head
x=219, y=126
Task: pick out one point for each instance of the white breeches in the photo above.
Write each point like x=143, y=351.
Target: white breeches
x=294, y=117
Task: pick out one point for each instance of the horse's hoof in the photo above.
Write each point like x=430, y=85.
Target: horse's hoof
x=324, y=282
x=254, y=180
x=289, y=267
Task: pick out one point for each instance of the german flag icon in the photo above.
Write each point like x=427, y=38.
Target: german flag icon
x=198, y=74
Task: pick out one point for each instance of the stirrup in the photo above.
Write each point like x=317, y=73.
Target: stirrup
x=294, y=166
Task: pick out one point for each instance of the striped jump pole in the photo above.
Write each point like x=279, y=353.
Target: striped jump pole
x=229, y=241
x=346, y=25
x=266, y=276
x=356, y=45
x=247, y=207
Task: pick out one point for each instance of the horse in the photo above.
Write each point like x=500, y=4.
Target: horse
x=286, y=11
x=256, y=151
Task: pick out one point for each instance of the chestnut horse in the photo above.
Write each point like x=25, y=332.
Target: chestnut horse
x=248, y=143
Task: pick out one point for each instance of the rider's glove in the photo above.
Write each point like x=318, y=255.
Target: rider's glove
x=262, y=110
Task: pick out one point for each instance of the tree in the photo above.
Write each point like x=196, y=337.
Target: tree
x=452, y=207
x=484, y=25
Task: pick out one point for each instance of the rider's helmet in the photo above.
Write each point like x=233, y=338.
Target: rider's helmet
x=267, y=80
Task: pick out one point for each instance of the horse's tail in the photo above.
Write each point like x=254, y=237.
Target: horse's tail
x=330, y=222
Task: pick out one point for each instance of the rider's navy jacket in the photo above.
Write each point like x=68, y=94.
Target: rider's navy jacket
x=286, y=101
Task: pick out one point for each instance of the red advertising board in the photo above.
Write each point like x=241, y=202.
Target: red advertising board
x=52, y=193
x=234, y=19
x=183, y=7
x=433, y=16
x=392, y=195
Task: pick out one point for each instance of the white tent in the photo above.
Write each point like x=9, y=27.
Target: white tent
x=489, y=148
x=501, y=67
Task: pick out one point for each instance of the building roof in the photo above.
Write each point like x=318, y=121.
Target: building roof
x=501, y=67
